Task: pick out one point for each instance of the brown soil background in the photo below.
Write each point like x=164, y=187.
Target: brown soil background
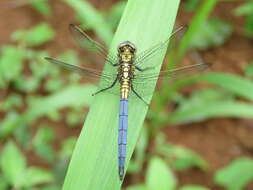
x=218, y=141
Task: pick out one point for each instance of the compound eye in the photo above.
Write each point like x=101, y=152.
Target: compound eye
x=121, y=50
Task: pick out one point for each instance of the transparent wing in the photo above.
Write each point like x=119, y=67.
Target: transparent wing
x=85, y=41
x=147, y=54
x=143, y=82
x=171, y=74
x=107, y=79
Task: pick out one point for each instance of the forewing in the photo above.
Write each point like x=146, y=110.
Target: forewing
x=149, y=53
x=84, y=40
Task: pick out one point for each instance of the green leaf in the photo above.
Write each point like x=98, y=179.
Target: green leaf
x=23, y=135
x=93, y=19
x=50, y=187
x=39, y=67
x=244, y=9
x=236, y=175
x=35, y=36
x=67, y=148
x=237, y=85
x=42, y=143
x=145, y=23
x=204, y=96
x=54, y=84
x=249, y=70
x=27, y=84
x=212, y=110
x=179, y=157
x=211, y=33
x=186, y=158
x=69, y=56
x=159, y=176
x=249, y=25
x=137, y=187
x=191, y=5
x=36, y=176
x=72, y=96
x=9, y=124
x=13, y=164
x=42, y=6
x=193, y=187
x=11, y=63
x=136, y=163
x=116, y=13
x=74, y=117
x=198, y=19
x=3, y=183
x=13, y=100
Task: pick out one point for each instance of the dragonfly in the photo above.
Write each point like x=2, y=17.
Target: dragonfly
x=128, y=77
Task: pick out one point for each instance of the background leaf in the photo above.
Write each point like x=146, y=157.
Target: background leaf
x=42, y=6
x=193, y=187
x=92, y=19
x=159, y=176
x=236, y=175
x=37, y=176
x=13, y=164
x=211, y=33
x=33, y=37
x=11, y=62
x=65, y=98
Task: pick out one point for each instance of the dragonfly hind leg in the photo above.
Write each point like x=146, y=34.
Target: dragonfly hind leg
x=104, y=89
x=132, y=88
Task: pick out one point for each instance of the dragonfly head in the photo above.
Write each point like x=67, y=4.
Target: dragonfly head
x=126, y=46
x=126, y=50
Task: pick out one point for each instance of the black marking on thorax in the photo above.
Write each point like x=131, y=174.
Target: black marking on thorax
x=126, y=58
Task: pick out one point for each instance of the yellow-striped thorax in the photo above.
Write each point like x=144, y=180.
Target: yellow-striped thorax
x=126, y=54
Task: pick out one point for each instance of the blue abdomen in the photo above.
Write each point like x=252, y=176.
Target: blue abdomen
x=122, y=135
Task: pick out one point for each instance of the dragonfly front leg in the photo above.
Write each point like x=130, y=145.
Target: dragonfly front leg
x=104, y=89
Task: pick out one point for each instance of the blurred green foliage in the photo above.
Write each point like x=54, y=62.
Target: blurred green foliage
x=211, y=33
x=246, y=10
x=34, y=37
x=231, y=176
x=15, y=171
x=34, y=90
x=42, y=6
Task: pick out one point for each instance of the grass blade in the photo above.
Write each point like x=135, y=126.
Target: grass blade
x=233, y=83
x=94, y=161
x=196, y=22
x=212, y=110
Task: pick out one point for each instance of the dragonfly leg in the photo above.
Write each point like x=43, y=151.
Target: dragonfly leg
x=145, y=69
x=132, y=88
x=104, y=89
x=116, y=64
